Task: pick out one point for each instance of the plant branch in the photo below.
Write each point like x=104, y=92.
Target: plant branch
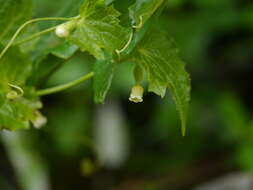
x=64, y=86
x=126, y=45
x=24, y=25
x=34, y=36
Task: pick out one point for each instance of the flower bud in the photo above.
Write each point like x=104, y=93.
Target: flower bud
x=61, y=31
x=136, y=94
x=39, y=121
x=12, y=95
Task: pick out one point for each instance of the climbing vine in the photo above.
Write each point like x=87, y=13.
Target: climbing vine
x=102, y=31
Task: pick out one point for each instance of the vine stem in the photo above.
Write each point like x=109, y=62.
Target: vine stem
x=126, y=45
x=140, y=24
x=20, y=90
x=27, y=23
x=59, y=88
x=35, y=36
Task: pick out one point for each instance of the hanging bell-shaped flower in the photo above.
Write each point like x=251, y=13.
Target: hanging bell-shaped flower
x=136, y=95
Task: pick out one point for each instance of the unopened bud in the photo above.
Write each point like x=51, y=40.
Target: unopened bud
x=12, y=95
x=136, y=94
x=61, y=31
x=39, y=121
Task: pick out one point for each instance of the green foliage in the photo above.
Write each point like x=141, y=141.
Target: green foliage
x=104, y=70
x=98, y=28
x=159, y=56
x=16, y=113
x=15, y=67
x=64, y=50
x=13, y=12
x=50, y=61
x=142, y=10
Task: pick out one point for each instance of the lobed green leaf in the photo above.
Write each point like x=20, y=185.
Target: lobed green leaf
x=142, y=10
x=49, y=61
x=98, y=29
x=15, y=67
x=104, y=70
x=158, y=55
x=16, y=113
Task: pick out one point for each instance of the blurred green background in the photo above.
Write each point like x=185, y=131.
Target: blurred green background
x=126, y=146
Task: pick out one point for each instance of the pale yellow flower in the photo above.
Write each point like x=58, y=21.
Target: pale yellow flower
x=39, y=121
x=136, y=95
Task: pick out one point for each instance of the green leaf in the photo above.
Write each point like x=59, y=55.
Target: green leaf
x=70, y=8
x=16, y=113
x=2, y=99
x=158, y=55
x=104, y=70
x=15, y=67
x=50, y=61
x=108, y=2
x=142, y=10
x=98, y=29
x=12, y=14
x=43, y=68
x=64, y=50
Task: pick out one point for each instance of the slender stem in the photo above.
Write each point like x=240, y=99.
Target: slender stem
x=64, y=86
x=140, y=24
x=34, y=36
x=24, y=25
x=19, y=89
x=126, y=45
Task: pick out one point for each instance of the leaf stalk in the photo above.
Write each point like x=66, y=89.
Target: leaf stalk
x=26, y=24
x=59, y=88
